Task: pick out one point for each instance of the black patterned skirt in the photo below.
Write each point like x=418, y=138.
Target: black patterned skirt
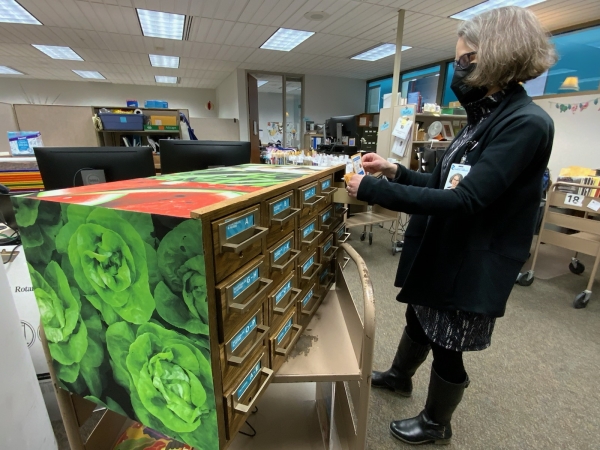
x=459, y=331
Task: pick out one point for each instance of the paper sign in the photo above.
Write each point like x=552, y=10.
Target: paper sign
x=384, y=126
x=402, y=128
x=407, y=112
x=574, y=200
x=594, y=205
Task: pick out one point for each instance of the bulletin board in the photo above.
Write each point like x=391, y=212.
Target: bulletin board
x=60, y=126
x=8, y=122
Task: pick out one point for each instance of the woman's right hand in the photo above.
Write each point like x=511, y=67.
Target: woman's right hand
x=373, y=163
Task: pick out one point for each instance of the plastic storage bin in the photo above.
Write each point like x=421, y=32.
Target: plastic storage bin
x=156, y=104
x=118, y=122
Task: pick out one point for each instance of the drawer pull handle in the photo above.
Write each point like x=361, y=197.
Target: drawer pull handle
x=238, y=248
x=310, y=312
x=316, y=268
x=241, y=308
x=282, y=220
x=331, y=253
x=285, y=351
x=312, y=241
x=237, y=361
x=344, y=239
x=282, y=267
x=312, y=204
x=329, y=280
x=346, y=261
x=278, y=310
x=329, y=191
x=327, y=226
x=340, y=212
x=265, y=373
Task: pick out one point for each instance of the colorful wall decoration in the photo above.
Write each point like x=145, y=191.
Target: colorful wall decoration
x=592, y=105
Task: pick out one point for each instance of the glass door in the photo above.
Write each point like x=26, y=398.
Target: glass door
x=293, y=112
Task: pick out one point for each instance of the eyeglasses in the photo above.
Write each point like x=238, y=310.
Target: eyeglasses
x=463, y=62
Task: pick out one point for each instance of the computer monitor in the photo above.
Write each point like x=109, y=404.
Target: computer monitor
x=185, y=156
x=65, y=167
x=348, y=124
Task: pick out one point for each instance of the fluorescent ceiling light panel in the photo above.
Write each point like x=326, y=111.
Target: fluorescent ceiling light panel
x=161, y=24
x=379, y=52
x=8, y=71
x=492, y=4
x=261, y=83
x=57, y=52
x=162, y=79
x=164, y=61
x=89, y=74
x=285, y=39
x=12, y=12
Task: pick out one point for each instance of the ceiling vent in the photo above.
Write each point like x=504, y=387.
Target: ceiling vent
x=316, y=16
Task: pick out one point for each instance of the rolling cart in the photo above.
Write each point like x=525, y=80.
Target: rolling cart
x=575, y=232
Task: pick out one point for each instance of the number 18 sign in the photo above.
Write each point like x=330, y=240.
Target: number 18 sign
x=574, y=200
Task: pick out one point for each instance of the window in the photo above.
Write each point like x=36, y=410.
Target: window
x=448, y=95
x=424, y=82
x=375, y=91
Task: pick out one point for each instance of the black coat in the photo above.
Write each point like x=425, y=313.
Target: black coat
x=464, y=247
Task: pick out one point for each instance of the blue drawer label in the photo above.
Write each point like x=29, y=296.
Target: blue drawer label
x=308, y=230
x=341, y=232
x=123, y=119
x=325, y=185
x=324, y=274
x=236, y=227
x=279, y=252
x=308, y=264
x=310, y=193
x=241, y=286
x=281, y=206
x=307, y=297
x=328, y=245
x=339, y=206
x=239, y=338
x=325, y=217
x=284, y=290
x=285, y=330
x=248, y=380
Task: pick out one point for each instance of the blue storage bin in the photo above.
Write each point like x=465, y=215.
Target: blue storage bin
x=156, y=104
x=119, y=122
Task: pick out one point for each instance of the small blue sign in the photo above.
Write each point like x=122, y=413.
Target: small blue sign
x=123, y=119
x=308, y=264
x=241, y=286
x=339, y=207
x=239, y=338
x=341, y=232
x=248, y=380
x=310, y=193
x=285, y=330
x=281, y=206
x=279, y=252
x=325, y=217
x=407, y=112
x=324, y=274
x=325, y=185
x=239, y=225
x=308, y=230
x=307, y=297
x=284, y=290
x=328, y=245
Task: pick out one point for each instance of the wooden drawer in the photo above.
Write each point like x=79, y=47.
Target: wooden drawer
x=340, y=235
x=308, y=304
x=326, y=189
x=339, y=211
x=309, y=200
x=247, y=342
x=239, y=294
x=309, y=236
x=237, y=239
x=239, y=400
x=280, y=216
x=282, y=258
x=282, y=300
x=327, y=250
x=307, y=271
x=326, y=221
x=283, y=339
x=325, y=280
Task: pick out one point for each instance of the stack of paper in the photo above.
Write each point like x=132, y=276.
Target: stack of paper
x=402, y=134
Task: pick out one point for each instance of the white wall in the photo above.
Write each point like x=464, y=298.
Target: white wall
x=270, y=109
x=575, y=138
x=333, y=96
x=227, y=98
x=242, y=82
x=24, y=422
x=84, y=93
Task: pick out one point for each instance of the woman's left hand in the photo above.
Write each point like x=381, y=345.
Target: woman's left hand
x=352, y=187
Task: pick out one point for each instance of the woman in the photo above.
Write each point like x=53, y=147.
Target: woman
x=485, y=225
x=456, y=178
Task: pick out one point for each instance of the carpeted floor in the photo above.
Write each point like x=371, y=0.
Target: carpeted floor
x=536, y=387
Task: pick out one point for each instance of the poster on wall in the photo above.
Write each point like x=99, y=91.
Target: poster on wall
x=275, y=131
x=122, y=300
x=22, y=142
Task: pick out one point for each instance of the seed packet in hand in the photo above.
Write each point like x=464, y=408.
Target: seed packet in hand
x=348, y=177
x=357, y=164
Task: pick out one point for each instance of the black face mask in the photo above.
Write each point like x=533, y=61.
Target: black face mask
x=466, y=93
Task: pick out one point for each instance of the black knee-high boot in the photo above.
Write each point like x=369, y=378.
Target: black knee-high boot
x=432, y=425
x=409, y=356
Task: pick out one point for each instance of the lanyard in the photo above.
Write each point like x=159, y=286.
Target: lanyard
x=470, y=147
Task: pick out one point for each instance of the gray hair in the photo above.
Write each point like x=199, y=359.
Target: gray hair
x=511, y=44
